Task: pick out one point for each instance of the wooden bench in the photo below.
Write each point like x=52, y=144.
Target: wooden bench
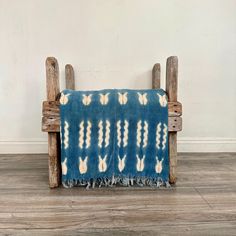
x=51, y=115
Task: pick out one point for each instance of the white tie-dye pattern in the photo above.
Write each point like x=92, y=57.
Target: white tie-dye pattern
x=102, y=166
x=139, y=128
x=88, y=134
x=145, y=134
x=165, y=133
x=118, y=132
x=64, y=98
x=66, y=135
x=162, y=100
x=81, y=134
x=83, y=165
x=121, y=163
x=107, y=134
x=158, y=166
x=60, y=135
x=142, y=98
x=122, y=97
x=140, y=163
x=100, y=133
x=158, y=135
x=126, y=133
x=64, y=166
x=87, y=99
x=104, y=98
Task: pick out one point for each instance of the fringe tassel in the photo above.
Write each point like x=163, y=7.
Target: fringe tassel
x=117, y=181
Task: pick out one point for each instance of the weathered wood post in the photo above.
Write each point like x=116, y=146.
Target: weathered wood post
x=171, y=89
x=70, y=78
x=156, y=76
x=53, y=89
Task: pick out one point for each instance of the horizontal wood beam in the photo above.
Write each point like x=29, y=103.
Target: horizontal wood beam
x=174, y=109
x=52, y=123
x=51, y=108
x=174, y=123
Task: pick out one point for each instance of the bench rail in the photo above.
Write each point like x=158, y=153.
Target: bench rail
x=51, y=116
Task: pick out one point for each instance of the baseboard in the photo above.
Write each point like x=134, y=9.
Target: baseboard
x=11, y=147
x=207, y=144
x=184, y=145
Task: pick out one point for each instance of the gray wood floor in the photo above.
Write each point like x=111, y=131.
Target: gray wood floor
x=202, y=203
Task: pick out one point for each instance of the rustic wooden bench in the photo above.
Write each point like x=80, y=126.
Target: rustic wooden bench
x=51, y=116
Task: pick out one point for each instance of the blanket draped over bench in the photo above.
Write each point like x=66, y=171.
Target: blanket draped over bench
x=114, y=137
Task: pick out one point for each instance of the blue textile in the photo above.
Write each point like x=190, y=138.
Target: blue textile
x=114, y=136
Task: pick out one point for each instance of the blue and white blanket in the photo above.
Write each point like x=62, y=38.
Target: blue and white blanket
x=114, y=137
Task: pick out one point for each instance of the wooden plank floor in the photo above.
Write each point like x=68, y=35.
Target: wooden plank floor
x=202, y=203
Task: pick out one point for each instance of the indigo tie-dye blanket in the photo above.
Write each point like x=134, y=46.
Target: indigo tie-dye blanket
x=114, y=137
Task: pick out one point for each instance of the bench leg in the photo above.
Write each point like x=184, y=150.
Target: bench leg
x=54, y=160
x=173, y=156
x=53, y=89
x=171, y=89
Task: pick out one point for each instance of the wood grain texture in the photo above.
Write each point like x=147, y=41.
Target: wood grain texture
x=174, y=124
x=70, y=78
x=52, y=78
x=174, y=109
x=52, y=124
x=203, y=202
x=53, y=89
x=156, y=76
x=172, y=78
x=171, y=89
x=51, y=108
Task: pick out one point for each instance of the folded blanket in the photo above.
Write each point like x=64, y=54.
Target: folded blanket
x=114, y=137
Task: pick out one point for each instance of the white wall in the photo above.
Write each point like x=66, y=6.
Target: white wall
x=114, y=44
